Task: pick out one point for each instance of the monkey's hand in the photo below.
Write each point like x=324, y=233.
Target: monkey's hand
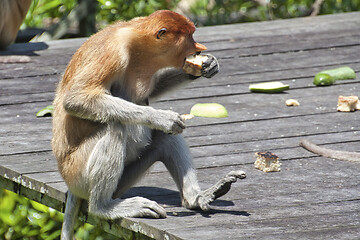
x=210, y=67
x=167, y=121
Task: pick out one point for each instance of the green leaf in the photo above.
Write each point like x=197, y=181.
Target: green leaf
x=40, y=207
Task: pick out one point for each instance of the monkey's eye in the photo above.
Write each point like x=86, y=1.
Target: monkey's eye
x=160, y=33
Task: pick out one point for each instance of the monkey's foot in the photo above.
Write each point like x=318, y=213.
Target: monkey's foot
x=140, y=207
x=219, y=189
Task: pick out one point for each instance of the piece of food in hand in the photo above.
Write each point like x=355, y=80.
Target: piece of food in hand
x=45, y=112
x=341, y=73
x=211, y=110
x=323, y=79
x=292, y=102
x=187, y=116
x=269, y=87
x=267, y=162
x=194, y=64
x=348, y=103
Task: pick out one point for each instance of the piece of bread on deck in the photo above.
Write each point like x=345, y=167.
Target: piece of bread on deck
x=348, y=104
x=267, y=162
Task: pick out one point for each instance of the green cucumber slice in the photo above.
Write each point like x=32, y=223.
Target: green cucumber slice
x=211, y=110
x=269, y=87
x=341, y=73
x=45, y=112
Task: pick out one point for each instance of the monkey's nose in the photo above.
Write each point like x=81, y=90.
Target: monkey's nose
x=199, y=47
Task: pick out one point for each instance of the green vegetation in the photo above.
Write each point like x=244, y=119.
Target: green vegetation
x=21, y=218
x=43, y=13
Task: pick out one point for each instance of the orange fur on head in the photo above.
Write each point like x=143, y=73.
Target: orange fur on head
x=175, y=22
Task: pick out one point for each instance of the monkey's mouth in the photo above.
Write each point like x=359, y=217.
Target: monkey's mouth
x=191, y=55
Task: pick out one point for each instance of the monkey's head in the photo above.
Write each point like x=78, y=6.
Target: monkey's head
x=170, y=35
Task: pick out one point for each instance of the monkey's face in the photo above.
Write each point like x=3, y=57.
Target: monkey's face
x=171, y=36
x=188, y=47
x=178, y=47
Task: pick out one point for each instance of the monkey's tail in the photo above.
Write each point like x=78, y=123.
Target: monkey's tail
x=72, y=208
x=326, y=152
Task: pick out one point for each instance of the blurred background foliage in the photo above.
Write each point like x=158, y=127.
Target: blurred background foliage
x=44, y=13
x=21, y=218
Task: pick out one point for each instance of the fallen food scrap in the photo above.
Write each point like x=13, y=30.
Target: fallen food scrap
x=45, y=112
x=211, y=110
x=323, y=79
x=187, y=116
x=330, y=76
x=348, y=103
x=292, y=102
x=341, y=73
x=269, y=87
x=267, y=162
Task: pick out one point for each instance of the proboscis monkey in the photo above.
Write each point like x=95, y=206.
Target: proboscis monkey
x=12, y=14
x=105, y=136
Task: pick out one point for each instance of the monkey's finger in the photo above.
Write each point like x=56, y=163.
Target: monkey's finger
x=182, y=123
x=237, y=174
x=150, y=213
x=177, y=129
x=210, y=72
x=210, y=67
x=208, y=61
x=156, y=210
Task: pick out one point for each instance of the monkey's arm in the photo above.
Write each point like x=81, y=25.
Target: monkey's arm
x=105, y=108
x=171, y=78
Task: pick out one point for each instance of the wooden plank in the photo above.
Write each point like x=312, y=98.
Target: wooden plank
x=260, y=113
x=280, y=27
x=294, y=193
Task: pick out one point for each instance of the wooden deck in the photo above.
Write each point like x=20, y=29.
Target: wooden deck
x=310, y=198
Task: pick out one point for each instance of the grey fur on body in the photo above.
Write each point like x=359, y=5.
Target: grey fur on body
x=134, y=137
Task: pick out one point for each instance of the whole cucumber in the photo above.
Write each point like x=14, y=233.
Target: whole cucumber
x=341, y=73
x=330, y=76
x=323, y=79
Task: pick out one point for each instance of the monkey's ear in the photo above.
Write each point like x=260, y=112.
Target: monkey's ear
x=160, y=33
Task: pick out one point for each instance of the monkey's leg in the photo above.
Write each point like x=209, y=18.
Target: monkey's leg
x=178, y=160
x=73, y=204
x=174, y=153
x=105, y=169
